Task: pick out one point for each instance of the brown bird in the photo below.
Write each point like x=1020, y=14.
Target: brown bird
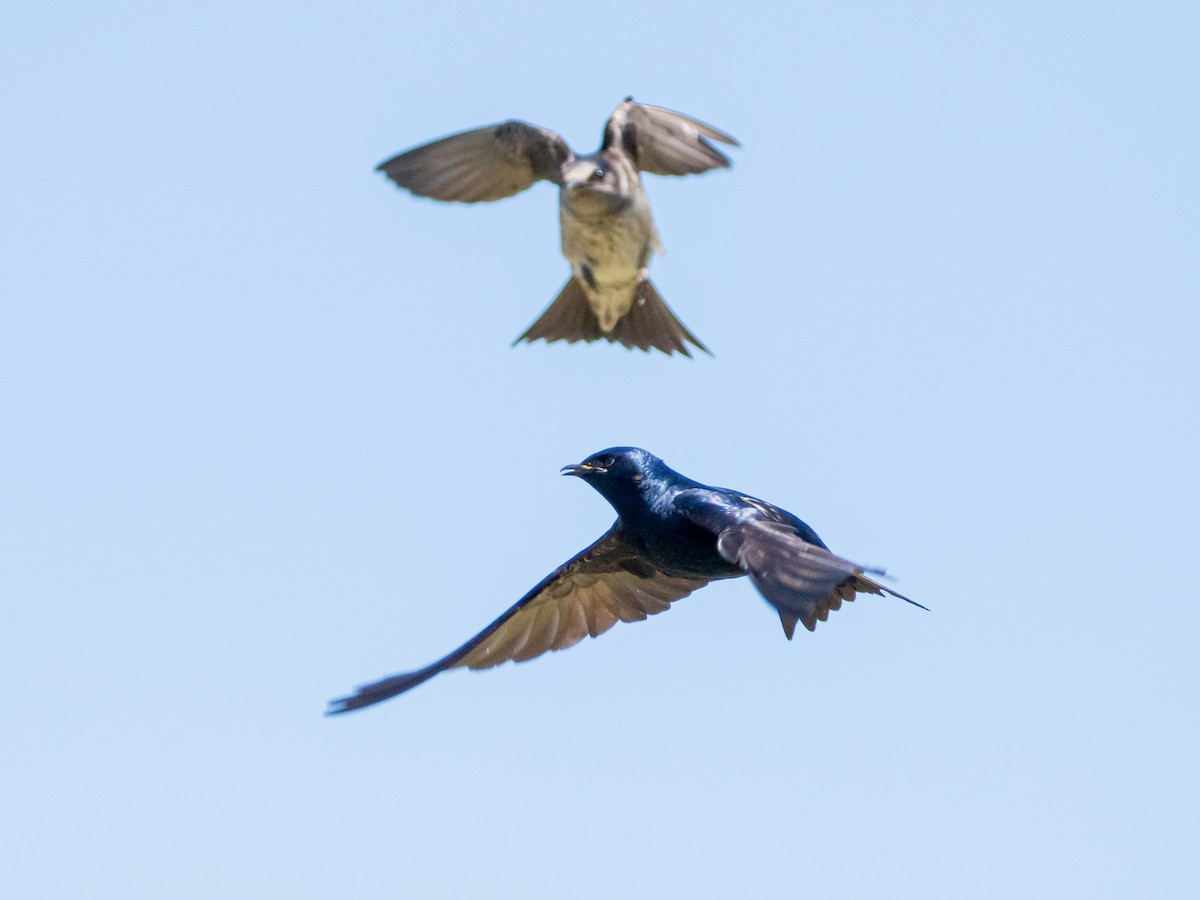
x=608, y=233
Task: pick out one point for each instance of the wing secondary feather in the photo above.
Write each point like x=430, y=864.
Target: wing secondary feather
x=605, y=584
x=664, y=142
x=480, y=165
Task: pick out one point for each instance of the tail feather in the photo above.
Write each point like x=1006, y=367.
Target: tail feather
x=568, y=318
x=649, y=325
x=789, y=623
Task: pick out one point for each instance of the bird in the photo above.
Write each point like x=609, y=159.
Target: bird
x=672, y=536
x=608, y=233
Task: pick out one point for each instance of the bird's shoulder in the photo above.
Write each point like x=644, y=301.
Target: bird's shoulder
x=521, y=143
x=706, y=500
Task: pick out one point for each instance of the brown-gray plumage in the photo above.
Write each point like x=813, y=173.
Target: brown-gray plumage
x=609, y=582
x=608, y=233
x=672, y=536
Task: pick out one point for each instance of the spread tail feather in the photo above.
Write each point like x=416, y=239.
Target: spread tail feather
x=789, y=623
x=568, y=318
x=649, y=324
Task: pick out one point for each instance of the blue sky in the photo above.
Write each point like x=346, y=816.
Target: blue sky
x=265, y=439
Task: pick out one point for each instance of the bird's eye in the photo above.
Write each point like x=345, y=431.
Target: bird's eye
x=597, y=175
x=607, y=462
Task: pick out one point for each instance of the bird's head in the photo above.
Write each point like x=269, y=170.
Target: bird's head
x=619, y=473
x=594, y=185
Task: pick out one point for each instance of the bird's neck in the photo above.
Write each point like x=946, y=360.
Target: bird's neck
x=649, y=498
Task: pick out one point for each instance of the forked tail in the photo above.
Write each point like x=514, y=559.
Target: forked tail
x=649, y=325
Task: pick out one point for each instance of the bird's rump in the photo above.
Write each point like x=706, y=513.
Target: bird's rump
x=483, y=164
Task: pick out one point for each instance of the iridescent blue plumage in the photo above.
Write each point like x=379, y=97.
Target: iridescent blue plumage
x=672, y=536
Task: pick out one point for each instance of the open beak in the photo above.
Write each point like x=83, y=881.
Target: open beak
x=580, y=469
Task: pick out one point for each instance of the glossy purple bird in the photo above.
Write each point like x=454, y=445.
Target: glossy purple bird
x=672, y=536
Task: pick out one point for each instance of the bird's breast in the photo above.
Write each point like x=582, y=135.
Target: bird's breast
x=615, y=256
x=609, y=256
x=681, y=548
x=622, y=216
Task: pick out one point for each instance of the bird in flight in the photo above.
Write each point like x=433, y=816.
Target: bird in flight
x=608, y=233
x=672, y=536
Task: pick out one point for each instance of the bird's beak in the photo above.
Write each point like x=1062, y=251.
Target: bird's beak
x=579, y=469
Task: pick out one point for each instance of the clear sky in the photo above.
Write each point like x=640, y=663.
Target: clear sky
x=264, y=439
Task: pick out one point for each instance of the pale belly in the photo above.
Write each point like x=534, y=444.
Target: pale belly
x=609, y=258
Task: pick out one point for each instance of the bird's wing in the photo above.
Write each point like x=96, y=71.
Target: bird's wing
x=664, y=142
x=605, y=584
x=484, y=164
x=802, y=580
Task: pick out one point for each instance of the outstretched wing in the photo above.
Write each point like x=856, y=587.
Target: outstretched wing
x=605, y=584
x=484, y=164
x=664, y=142
x=784, y=558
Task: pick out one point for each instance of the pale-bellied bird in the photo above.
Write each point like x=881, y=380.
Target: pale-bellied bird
x=608, y=233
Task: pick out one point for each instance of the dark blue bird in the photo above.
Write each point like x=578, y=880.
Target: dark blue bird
x=672, y=536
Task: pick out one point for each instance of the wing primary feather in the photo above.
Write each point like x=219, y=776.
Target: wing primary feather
x=487, y=163
x=585, y=596
x=665, y=142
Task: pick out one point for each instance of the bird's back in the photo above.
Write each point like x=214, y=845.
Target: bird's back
x=657, y=523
